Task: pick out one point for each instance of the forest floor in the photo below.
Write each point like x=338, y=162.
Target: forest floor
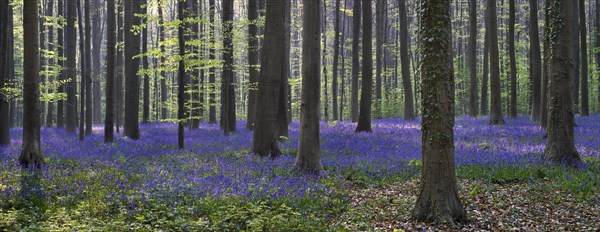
x=371, y=181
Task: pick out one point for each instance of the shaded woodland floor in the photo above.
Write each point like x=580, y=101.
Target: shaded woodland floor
x=371, y=181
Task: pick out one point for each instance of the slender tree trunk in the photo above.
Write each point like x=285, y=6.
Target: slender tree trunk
x=496, y=99
x=324, y=60
x=574, y=54
x=181, y=80
x=83, y=65
x=484, y=78
x=146, y=78
x=585, y=108
x=409, y=107
x=336, y=59
x=560, y=144
x=309, y=147
x=227, y=78
x=132, y=48
x=88, y=70
x=70, y=71
x=364, y=119
x=111, y=53
x=50, y=13
x=513, y=59
x=212, y=111
x=355, y=60
x=545, y=67
x=438, y=198
x=343, y=68
x=379, y=33
x=164, y=97
x=120, y=72
x=535, y=61
x=473, y=58
x=98, y=30
x=60, y=105
x=252, y=62
x=31, y=153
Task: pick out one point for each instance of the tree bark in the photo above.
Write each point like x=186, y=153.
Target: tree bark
x=270, y=83
x=473, y=58
x=309, y=147
x=379, y=40
x=146, y=78
x=355, y=60
x=409, y=103
x=4, y=71
x=131, y=127
x=438, y=198
x=31, y=153
x=88, y=70
x=496, y=99
x=585, y=108
x=110, y=70
x=227, y=78
x=560, y=144
x=60, y=105
x=212, y=111
x=574, y=54
x=364, y=120
x=485, y=72
x=181, y=80
x=70, y=72
x=98, y=31
x=336, y=59
x=83, y=65
x=535, y=61
x=254, y=71
x=513, y=59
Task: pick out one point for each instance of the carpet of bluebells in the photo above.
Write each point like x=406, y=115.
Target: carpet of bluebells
x=215, y=184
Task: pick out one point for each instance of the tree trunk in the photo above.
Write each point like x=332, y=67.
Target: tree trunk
x=324, y=60
x=88, y=70
x=98, y=31
x=50, y=111
x=60, y=105
x=227, y=78
x=31, y=153
x=512, y=57
x=379, y=33
x=574, y=53
x=131, y=127
x=212, y=111
x=409, y=103
x=146, y=78
x=597, y=53
x=270, y=82
x=473, y=57
x=336, y=59
x=164, y=97
x=484, y=79
x=83, y=65
x=254, y=71
x=309, y=147
x=560, y=144
x=438, y=198
x=181, y=80
x=70, y=72
x=120, y=71
x=585, y=108
x=364, y=120
x=535, y=61
x=545, y=68
x=496, y=99
x=4, y=71
x=355, y=60
x=110, y=70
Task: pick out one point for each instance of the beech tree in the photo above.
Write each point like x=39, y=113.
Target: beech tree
x=131, y=126
x=364, y=119
x=356, y=14
x=535, y=61
x=438, y=198
x=253, y=71
x=4, y=71
x=228, y=118
x=309, y=145
x=70, y=72
x=560, y=144
x=409, y=103
x=31, y=153
x=111, y=53
x=496, y=99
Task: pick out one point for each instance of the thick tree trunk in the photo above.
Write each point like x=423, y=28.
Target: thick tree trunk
x=31, y=153
x=355, y=60
x=496, y=99
x=585, y=107
x=227, y=79
x=70, y=72
x=574, y=53
x=513, y=59
x=535, y=61
x=4, y=71
x=111, y=53
x=271, y=80
x=364, y=119
x=438, y=198
x=131, y=127
x=309, y=147
x=473, y=58
x=254, y=71
x=409, y=103
x=560, y=144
